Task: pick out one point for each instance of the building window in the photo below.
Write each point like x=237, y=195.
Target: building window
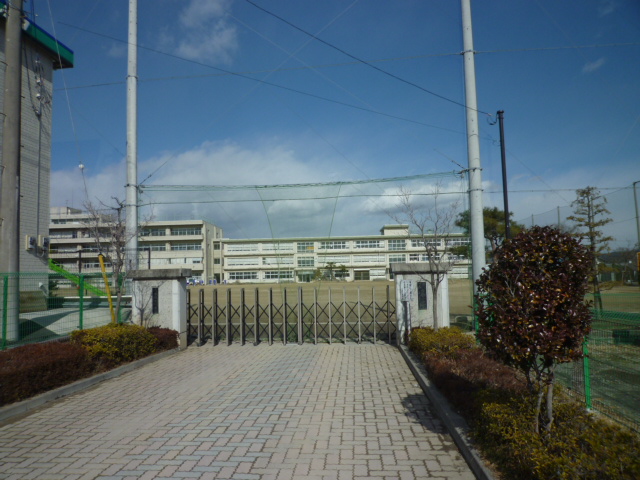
x=369, y=244
x=368, y=259
x=337, y=259
x=154, y=248
x=243, y=275
x=333, y=245
x=241, y=247
x=304, y=247
x=216, y=261
x=422, y=295
x=397, y=244
x=216, y=246
x=305, y=261
x=361, y=275
x=186, y=231
x=418, y=257
x=153, y=232
x=397, y=258
x=186, y=246
x=415, y=243
x=155, y=300
x=277, y=247
x=236, y=262
x=277, y=260
x=458, y=242
x=279, y=275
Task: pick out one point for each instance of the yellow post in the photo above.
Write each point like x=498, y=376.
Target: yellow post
x=106, y=284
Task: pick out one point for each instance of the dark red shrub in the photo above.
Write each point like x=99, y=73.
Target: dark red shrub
x=32, y=369
x=167, y=338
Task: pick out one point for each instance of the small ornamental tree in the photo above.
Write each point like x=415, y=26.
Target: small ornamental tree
x=531, y=309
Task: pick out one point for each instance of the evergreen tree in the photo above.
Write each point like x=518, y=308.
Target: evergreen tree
x=590, y=212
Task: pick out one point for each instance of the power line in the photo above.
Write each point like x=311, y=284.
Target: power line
x=364, y=62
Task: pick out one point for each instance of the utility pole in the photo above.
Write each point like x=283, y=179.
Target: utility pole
x=10, y=171
x=505, y=191
x=473, y=148
x=131, y=225
x=635, y=204
x=10, y=168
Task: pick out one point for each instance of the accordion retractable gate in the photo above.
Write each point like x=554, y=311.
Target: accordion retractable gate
x=290, y=316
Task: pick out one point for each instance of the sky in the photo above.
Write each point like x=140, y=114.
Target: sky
x=239, y=92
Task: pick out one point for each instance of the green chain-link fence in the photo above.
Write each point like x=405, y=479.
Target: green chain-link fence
x=36, y=307
x=609, y=377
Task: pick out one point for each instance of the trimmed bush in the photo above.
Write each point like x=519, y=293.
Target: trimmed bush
x=32, y=369
x=166, y=338
x=444, y=341
x=115, y=343
x=578, y=447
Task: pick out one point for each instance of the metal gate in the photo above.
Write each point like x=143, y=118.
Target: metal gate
x=230, y=317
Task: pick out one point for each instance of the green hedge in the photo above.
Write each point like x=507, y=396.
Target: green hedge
x=495, y=401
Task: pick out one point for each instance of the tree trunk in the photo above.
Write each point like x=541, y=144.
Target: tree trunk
x=434, y=302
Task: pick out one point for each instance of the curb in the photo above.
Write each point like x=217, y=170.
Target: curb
x=10, y=412
x=455, y=424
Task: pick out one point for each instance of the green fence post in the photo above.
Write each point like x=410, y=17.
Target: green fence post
x=587, y=374
x=5, y=302
x=81, y=293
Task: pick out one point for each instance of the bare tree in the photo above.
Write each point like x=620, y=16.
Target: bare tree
x=432, y=223
x=107, y=226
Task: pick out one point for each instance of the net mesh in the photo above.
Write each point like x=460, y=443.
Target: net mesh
x=301, y=210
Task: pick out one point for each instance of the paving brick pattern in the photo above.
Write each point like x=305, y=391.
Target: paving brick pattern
x=326, y=412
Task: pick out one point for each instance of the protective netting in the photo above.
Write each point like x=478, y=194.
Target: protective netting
x=302, y=210
x=621, y=228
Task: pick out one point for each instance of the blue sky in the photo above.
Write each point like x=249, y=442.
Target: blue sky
x=565, y=73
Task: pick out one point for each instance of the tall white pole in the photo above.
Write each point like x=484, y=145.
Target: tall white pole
x=473, y=148
x=131, y=205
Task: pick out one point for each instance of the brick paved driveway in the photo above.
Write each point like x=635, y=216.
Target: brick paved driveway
x=242, y=412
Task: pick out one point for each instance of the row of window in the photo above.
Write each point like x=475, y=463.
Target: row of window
x=161, y=232
x=308, y=247
x=336, y=260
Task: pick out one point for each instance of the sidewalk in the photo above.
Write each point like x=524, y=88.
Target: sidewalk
x=320, y=412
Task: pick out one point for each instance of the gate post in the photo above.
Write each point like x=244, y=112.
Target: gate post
x=373, y=306
x=214, y=318
x=344, y=314
x=270, y=316
x=256, y=321
x=300, y=339
x=169, y=286
x=228, y=312
x=284, y=316
x=200, y=316
x=242, y=318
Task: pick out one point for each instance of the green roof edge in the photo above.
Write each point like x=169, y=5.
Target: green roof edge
x=62, y=55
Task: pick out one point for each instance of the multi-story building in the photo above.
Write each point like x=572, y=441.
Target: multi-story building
x=348, y=258
x=199, y=245
x=161, y=244
x=41, y=55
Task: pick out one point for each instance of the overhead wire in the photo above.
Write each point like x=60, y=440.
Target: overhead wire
x=362, y=61
x=68, y=100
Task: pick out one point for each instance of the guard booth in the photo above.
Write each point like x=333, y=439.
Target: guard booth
x=414, y=297
x=159, y=299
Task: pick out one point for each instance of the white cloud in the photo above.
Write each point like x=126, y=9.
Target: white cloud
x=203, y=32
x=593, y=66
x=323, y=210
x=117, y=50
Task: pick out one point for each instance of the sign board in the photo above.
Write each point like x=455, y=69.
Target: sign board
x=406, y=287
